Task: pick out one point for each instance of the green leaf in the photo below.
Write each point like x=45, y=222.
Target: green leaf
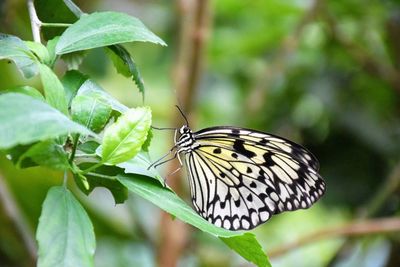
x=65, y=233
x=125, y=65
x=15, y=153
x=89, y=87
x=88, y=147
x=146, y=144
x=167, y=200
x=13, y=48
x=104, y=29
x=139, y=165
x=243, y=243
x=39, y=50
x=53, y=89
x=248, y=247
x=124, y=139
x=51, y=48
x=100, y=178
x=72, y=81
x=91, y=110
x=25, y=120
x=47, y=153
x=54, y=11
x=26, y=90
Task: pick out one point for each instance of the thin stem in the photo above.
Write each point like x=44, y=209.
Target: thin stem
x=101, y=176
x=74, y=147
x=93, y=167
x=50, y=24
x=35, y=22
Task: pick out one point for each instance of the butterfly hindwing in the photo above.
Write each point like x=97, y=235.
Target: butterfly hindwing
x=239, y=178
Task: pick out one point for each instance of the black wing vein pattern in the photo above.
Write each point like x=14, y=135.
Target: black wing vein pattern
x=239, y=178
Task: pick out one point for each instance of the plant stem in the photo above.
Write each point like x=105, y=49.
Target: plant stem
x=95, y=166
x=102, y=176
x=50, y=24
x=35, y=22
x=74, y=146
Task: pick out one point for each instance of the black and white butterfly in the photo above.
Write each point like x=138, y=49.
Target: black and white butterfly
x=239, y=177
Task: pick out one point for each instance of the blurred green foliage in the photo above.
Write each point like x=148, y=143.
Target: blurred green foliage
x=322, y=73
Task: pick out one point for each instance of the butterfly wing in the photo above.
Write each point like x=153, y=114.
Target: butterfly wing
x=239, y=177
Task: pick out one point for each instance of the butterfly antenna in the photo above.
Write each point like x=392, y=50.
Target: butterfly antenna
x=183, y=115
x=163, y=128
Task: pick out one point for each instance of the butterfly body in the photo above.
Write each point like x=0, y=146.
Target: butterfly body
x=240, y=177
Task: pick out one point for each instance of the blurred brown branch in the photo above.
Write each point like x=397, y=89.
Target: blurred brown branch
x=13, y=212
x=194, y=18
x=352, y=229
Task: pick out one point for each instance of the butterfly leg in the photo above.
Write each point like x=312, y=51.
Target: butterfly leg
x=156, y=163
x=170, y=174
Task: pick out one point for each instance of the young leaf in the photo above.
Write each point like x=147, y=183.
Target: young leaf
x=248, y=247
x=91, y=110
x=72, y=81
x=26, y=90
x=125, y=65
x=47, y=153
x=13, y=48
x=65, y=233
x=25, y=120
x=146, y=144
x=39, y=50
x=124, y=139
x=53, y=89
x=104, y=29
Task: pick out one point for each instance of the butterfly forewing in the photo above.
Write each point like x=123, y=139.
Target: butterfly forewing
x=239, y=177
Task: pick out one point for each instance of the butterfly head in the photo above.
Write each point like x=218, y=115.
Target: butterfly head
x=185, y=130
x=186, y=139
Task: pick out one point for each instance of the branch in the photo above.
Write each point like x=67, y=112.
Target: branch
x=369, y=227
x=193, y=27
x=13, y=212
x=35, y=22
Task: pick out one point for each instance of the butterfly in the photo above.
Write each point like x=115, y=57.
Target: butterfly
x=240, y=177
